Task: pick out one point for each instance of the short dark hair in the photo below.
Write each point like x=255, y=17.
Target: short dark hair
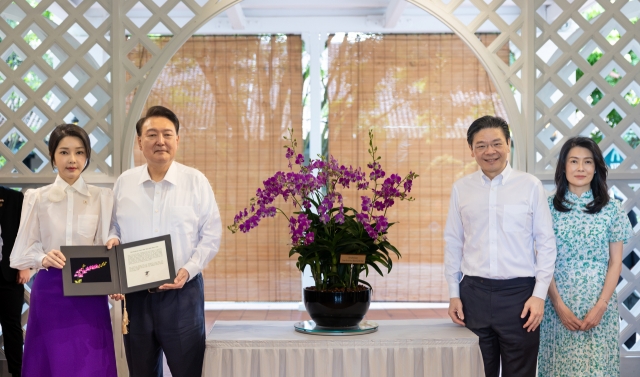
x=487, y=121
x=64, y=130
x=158, y=112
x=599, y=187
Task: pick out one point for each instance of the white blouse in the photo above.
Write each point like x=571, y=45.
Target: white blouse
x=61, y=215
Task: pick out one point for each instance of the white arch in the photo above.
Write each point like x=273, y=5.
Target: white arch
x=210, y=10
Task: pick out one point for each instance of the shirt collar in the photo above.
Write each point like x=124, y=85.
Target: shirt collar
x=503, y=176
x=586, y=197
x=171, y=176
x=79, y=185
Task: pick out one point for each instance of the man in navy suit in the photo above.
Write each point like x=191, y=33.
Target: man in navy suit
x=11, y=280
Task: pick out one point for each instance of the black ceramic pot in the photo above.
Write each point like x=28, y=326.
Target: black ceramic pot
x=337, y=309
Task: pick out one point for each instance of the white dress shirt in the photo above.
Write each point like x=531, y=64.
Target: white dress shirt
x=60, y=215
x=499, y=229
x=181, y=205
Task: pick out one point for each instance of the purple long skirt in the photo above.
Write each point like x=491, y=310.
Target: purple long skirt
x=67, y=336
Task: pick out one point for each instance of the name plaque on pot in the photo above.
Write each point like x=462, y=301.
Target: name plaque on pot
x=352, y=259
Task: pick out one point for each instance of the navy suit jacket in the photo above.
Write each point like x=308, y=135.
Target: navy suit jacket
x=10, y=209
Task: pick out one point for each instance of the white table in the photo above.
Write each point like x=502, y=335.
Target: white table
x=408, y=348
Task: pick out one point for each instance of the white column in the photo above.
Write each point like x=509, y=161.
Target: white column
x=314, y=43
x=528, y=110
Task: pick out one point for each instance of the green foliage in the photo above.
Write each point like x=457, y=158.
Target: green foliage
x=613, y=36
x=596, y=136
x=48, y=59
x=613, y=77
x=632, y=58
x=331, y=241
x=632, y=98
x=592, y=59
x=32, y=39
x=631, y=138
x=596, y=96
x=14, y=142
x=593, y=12
x=13, y=61
x=14, y=101
x=32, y=80
x=613, y=118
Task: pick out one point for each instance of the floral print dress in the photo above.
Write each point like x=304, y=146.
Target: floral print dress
x=581, y=267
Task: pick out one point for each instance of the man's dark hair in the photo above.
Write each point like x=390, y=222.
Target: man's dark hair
x=487, y=121
x=599, y=187
x=64, y=130
x=158, y=112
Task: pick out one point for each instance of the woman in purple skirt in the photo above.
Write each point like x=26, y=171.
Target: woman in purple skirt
x=66, y=336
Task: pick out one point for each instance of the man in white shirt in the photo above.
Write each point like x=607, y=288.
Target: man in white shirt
x=165, y=197
x=500, y=253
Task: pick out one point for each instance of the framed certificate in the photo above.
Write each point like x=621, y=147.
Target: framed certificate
x=145, y=264
x=126, y=268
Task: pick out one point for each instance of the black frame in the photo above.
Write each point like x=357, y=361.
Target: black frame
x=118, y=282
x=89, y=289
x=124, y=288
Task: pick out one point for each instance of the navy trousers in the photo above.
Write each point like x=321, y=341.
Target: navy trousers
x=168, y=321
x=11, y=302
x=492, y=310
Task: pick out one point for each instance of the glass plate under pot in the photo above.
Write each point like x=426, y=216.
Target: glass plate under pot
x=310, y=327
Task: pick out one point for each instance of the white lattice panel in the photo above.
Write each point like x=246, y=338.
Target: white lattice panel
x=586, y=81
x=59, y=73
x=598, y=39
x=628, y=192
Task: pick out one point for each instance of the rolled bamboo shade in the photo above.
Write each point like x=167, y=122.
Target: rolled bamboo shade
x=236, y=96
x=419, y=93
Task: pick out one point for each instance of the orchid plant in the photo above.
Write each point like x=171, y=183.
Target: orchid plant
x=323, y=228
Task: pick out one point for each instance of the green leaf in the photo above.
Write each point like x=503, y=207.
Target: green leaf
x=375, y=267
x=366, y=283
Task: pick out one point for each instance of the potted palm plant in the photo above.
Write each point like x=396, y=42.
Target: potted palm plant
x=337, y=242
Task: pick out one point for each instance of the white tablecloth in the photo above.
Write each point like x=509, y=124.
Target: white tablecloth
x=408, y=348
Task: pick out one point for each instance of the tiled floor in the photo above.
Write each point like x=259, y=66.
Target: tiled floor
x=295, y=315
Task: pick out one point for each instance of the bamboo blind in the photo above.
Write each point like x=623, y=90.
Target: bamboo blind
x=419, y=93
x=235, y=97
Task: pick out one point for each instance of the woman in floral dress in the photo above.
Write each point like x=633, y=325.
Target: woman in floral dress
x=579, y=332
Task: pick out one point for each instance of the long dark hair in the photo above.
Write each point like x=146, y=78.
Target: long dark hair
x=598, y=183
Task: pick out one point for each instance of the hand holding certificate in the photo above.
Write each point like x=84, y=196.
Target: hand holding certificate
x=178, y=282
x=126, y=268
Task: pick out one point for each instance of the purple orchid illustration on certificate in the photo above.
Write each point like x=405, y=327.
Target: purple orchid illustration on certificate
x=86, y=269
